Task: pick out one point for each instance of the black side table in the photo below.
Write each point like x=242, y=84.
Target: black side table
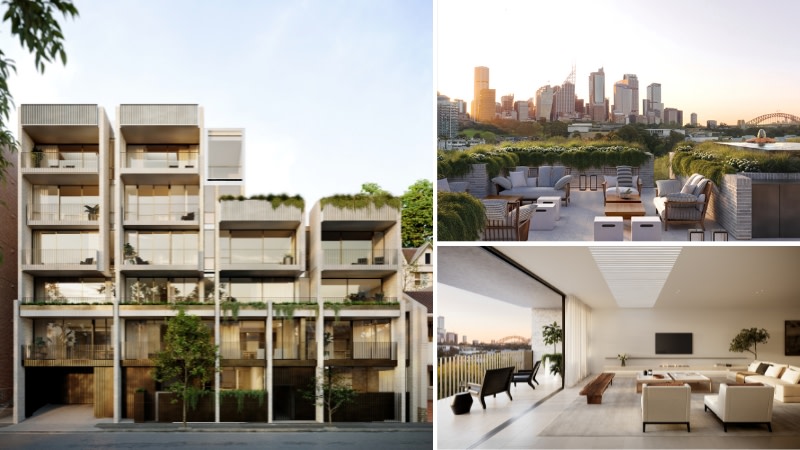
x=462, y=403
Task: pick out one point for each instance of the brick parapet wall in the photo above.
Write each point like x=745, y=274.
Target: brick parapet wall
x=731, y=206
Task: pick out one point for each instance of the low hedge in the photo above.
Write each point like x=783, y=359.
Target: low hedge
x=460, y=217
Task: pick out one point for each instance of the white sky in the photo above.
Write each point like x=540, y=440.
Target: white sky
x=332, y=94
x=479, y=317
x=723, y=59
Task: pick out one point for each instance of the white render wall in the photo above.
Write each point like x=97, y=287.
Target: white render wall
x=632, y=331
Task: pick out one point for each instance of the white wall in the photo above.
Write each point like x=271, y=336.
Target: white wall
x=632, y=331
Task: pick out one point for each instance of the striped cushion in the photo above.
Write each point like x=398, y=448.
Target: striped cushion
x=624, y=176
x=495, y=209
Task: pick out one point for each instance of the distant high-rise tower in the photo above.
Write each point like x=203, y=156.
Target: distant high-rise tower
x=633, y=82
x=694, y=119
x=446, y=117
x=597, y=96
x=544, y=102
x=623, y=102
x=565, y=97
x=652, y=106
x=521, y=108
x=483, y=102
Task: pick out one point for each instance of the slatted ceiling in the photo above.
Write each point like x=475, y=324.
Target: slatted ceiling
x=635, y=275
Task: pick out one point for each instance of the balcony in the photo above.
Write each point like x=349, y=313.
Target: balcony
x=258, y=214
x=141, y=350
x=61, y=164
x=150, y=164
x=64, y=354
x=62, y=300
x=360, y=263
x=260, y=262
x=364, y=352
x=157, y=262
x=234, y=350
x=162, y=215
x=78, y=262
x=64, y=216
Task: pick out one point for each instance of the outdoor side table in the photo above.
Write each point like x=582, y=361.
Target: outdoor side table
x=608, y=228
x=462, y=403
x=544, y=217
x=551, y=201
x=646, y=228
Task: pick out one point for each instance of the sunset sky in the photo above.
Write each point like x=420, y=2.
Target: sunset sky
x=722, y=59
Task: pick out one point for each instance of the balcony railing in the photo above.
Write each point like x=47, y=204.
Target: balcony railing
x=46, y=257
x=187, y=257
x=385, y=257
x=178, y=159
x=61, y=300
x=356, y=350
x=65, y=212
x=149, y=299
x=263, y=300
x=64, y=351
x=355, y=299
x=141, y=350
x=54, y=160
x=258, y=256
x=456, y=371
x=233, y=350
x=162, y=212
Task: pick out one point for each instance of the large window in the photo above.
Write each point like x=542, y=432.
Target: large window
x=143, y=338
x=338, y=290
x=177, y=247
x=161, y=202
x=353, y=247
x=72, y=338
x=73, y=291
x=286, y=338
x=372, y=339
x=65, y=203
x=65, y=247
x=225, y=155
x=245, y=339
x=258, y=290
x=162, y=290
x=255, y=246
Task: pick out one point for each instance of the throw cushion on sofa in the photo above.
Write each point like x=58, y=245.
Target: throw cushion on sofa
x=775, y=370
x=518, y=179
x=624, y=176
x=544, y=176
x=556, y=173
x=503, y=182
x=753, y=366
x=688, y=189
x=562, y=182
x=762, y=368
x=791, y=376
x=701, y=185
x=495, y=209
x=611, y=181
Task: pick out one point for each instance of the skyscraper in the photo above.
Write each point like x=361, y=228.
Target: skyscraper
x=633, y=82
x=597, y=96
x=623, y=102
x=652, y=106
x=482, y=102
x=446, y=117
x=565, y=97
x=544, y=102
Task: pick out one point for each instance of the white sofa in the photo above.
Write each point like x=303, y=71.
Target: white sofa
x=741, y=404
x=550, y=181
x=442, y=185
x=783, y=377
x=666, y=404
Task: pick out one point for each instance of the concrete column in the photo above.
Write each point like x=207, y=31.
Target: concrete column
x=19, y=371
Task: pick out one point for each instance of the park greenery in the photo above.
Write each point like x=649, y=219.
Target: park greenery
x=186, y=364
x=748, y=339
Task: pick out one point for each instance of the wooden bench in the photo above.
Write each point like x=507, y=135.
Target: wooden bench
x=594, y=390
x=494, y=382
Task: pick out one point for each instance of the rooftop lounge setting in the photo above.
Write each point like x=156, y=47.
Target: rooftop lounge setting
x=664, y=346
x=597, y=191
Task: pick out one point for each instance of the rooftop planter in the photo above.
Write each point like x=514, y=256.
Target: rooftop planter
x=579, y=155
x=362, y=201
x=274, y=200
x=715, y=160
x=459, y=217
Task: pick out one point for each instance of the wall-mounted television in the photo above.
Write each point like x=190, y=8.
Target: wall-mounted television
x=673, y=343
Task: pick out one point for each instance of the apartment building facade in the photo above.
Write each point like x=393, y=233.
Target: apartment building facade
x=121, y=224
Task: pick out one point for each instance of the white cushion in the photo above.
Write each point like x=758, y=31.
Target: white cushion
x=701, y=185
x=532, y=182
x=775, y=370
x=544, y=176
x=753, y=366
x=791, y=376
x=503, y=182
x=556, y=173
x=442, y=185
x=611, y=181
x=562, y=182
x=694, y=179
x=688, y=189
x=518, y=179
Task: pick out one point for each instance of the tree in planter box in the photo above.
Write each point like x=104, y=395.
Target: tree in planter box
x=331, y=391
x=553, y=334
x=186, y=364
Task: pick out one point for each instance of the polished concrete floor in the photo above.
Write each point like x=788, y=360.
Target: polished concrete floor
x=517, y=423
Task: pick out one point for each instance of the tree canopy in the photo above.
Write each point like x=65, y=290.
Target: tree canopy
x=187, y=362
x=34, y=23
x=747, y=338
x=417, y=220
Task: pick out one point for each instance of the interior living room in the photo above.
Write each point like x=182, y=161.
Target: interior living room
x=649, y=334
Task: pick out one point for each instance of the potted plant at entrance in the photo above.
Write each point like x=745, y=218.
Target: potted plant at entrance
x=139, y=405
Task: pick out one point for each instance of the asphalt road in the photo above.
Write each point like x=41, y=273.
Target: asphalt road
x=383, y=440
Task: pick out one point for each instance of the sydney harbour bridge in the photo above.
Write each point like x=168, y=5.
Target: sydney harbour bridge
x=777, y=118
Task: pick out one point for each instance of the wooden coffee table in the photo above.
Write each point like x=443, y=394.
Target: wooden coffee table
x=513, y=200
x=630, y=198
x=625, y=210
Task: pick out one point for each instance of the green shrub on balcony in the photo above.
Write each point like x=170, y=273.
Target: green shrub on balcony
x=361, y=201
x=460, y=217
x=275, y=200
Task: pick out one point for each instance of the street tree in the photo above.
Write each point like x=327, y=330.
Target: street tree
x=187, y=362
x=34, y=23
x=417, y=219
x=330, y=391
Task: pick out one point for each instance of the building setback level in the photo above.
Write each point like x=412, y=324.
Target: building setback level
x=120, y=223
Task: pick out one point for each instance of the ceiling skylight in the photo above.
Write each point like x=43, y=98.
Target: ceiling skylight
x=635, y=275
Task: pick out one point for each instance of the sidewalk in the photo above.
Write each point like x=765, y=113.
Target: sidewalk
x=80, y=418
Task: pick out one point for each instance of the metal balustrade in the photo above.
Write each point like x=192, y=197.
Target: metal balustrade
x=455, y=371
x=66, y=351
x=55, y=160
x=257, y=256
x=71, y=300
x=46, y=257
x=366, y=257
x=147, y=159
x=65, y=212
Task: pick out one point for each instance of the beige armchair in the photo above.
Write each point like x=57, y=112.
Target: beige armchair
x=666, y=404
x=750, y=403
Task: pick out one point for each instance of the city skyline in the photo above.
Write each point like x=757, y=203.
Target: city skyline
x=737, y=76
x=304, y=100
x=498, y=320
